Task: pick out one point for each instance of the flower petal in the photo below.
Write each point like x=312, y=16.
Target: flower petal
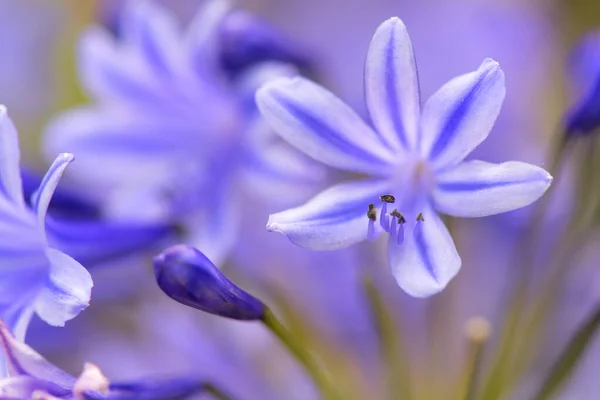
x=458, y=117
x=67, y=291
x=109, y=73
x=41, y=198
x=334, y=219
x=427, y=259
x=10, y=177
x=151, y=31
x=92, y=241
x=478, y=189
x=321, y=125
x=392, y=85
x=23, y=360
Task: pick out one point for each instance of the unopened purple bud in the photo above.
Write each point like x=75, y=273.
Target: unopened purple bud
x=189, y=277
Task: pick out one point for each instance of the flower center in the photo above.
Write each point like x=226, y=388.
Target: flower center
x=412, y=185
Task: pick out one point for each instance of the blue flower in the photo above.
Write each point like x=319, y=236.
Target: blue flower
x=172, y=137
x=34, y=277
x=415, y=158
x=32, y=376
x=188, y=276
x=584, y=116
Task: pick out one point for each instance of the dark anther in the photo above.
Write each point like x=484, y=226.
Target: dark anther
x=372, y=213
x=420, y=217
x=401, y=219
x=388, y=198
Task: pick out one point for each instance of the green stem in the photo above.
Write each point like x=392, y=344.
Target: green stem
x=477, y=332
x=301, y=354
x=394, y=355
x=570, y=356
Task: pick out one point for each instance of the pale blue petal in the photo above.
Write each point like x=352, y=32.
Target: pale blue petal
x=41, y=198
x=151, y=31
x=10, y=176
x=478, y=189
x=110, y=73
x=203, y=35
x=67, y=291
x=392, y=85
x=334, y=219
x=23, y=360
x=427, y=259
x=321, y=125
x=458, y=117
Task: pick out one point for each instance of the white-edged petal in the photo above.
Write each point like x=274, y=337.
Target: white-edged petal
x=334, y=219
x=459, y=116
x=10, y=175
x=427, y=259
x=478, y=189
x=41, y=198
x=321, y=125
x=392, y=85
x=67, y=291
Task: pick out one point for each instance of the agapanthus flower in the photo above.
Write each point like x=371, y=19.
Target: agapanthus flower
x=415, y=157
x=32, y=376
x=171, y=133
x=34, y=276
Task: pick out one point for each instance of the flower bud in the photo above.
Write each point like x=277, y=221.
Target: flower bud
x=189, y=277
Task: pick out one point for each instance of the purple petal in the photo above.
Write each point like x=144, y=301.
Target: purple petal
x=151, y=31
x=41, y=198
x=10, y=177
x=392, y=85
x=189, y=277
x=321, y=125
x=427, y=259
x=478, y=189
x=67, y=291
x=458, y=117
x=334, y=219
x=23, y=360
x=111, y=73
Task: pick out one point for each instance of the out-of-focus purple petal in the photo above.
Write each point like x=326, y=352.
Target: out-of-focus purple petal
x=150, y=31
x=22, y=387
x=155, y=389
x=479, y=189
x=245, y=41
x=321, y=125
x=93, y=241
x=110, y=74
x=64, y=202
x=203, y=35
x=41, y=198
x=187, y=276
x=67, y=291
x=334, y=219
x=392, y=85
x=10, y=178
x=459, y=116
x=23, y=360
x=427, y=259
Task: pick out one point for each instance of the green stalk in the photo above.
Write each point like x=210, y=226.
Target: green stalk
x=392, y=351
x=570, y=356
x=301, y=354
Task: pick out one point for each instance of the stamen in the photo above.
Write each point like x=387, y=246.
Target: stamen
x=372, y=213
x=420, y=217
x=387, y=198
x=397, y=228
x=401, y=219
x=384, y=219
